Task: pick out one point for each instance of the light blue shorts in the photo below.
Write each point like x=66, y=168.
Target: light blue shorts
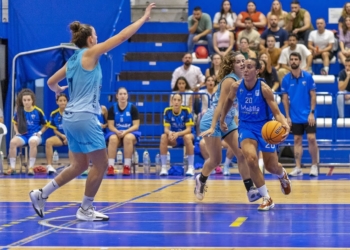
x=206, y=124
x=83, y=131
x=263, y=146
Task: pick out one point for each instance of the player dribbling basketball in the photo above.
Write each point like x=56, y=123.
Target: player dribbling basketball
x=254, y=100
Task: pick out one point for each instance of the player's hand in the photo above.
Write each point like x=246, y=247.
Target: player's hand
x=208, y=132
x=289, y=122
x=223, y=126
x=148, y=10
x=311, y=119
x=119, y=134
x=60, y=89
x=196, y=38
x=175, y=136
x=287, y=128
x=295, y=31
x=293, y=15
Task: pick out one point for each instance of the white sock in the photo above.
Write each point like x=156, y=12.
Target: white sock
x=111, y=162
x=163, y=159
x=227, y=162
x=127, y=162
x=326, y=69
x=13, y=163
x=263, y=191
x=190, y=160
x=49, y=188
x=32, y=162
x=87, y=202
x=261, y=163
x=281, y=175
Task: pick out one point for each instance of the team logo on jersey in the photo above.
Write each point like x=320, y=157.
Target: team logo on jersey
x=257, y=92
x=304, y=83
x=127, y=113
x=241, y=91
x=32, y=116
x=172, y=119
x=121, y=119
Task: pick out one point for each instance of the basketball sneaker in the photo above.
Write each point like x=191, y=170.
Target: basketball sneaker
x=190, y=171
x=296, y=172
x=253, y=194
x=227, y=170
x=200, y=188
x=38, y=201
x=90, y=215
x=314, y=170
x=286, y=185
x=10, y=171
x=31, y=171
x=126, y=170
x=50, y=169
x=110, y=171
x=267, y=204
x=163, y=172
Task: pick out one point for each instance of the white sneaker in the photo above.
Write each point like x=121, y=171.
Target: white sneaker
x=50, y=169
x=200, y=188
x=163, y=172
x=314, y=170
x=296, y=172
x=90, y=215
x=226, y=170
x=253, y=194
x=38, y=201
x=190, y=171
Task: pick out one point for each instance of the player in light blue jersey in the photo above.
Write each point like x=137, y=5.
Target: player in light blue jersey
x=229, y=73
x=29, y=124
x=255, y=104
x=80, y=123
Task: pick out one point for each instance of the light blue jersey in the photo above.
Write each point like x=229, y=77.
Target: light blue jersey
x=83, y=85
x=229, y=119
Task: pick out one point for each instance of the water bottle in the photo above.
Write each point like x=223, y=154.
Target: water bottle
x=185, y=164
x=55, y=157
x=168, y=159
x=136, y=159
x=1, y=162
x=158, y=164
x=119, y=161
x=146, y=163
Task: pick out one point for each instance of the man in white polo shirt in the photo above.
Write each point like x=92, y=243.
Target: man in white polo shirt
x=193, y=74
x=321, y=44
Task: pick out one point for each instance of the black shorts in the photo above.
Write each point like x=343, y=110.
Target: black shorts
x=320, y=56
x=301, y=128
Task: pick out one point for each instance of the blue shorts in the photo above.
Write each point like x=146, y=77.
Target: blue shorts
x=137, y=135
x=263, y=146
x=83, y=131
x=206, y=124
x=26, y=137
x=180, y=141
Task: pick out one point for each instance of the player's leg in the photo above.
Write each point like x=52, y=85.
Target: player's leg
x=188, y=142
x=33, y=142
x=113, y=143
x=53, y=141
x=163, y=148
x=298, y=131
x=16, y=141
x=129, y=141
x=313, y=149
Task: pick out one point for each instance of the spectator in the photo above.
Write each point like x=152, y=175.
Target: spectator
x=213, y=71
x=306, y=57
x=200, y=27
x=59, y=139
x=192, y=73
x=344, y=40
x=272, y=51
x=345, y=12
x=276, y=9
x=227, y=13
x=210, y=90
x=223, y=39
x=268, y=72
x=178, y=123
x=123, y=123
x=252, y=35
x=182, y=87
x=244, y=48
x=321, y=44
x=280, y=35
x=29, y=125
x=299, y=23
x=343, y=87
x=258, y=18
x=299, y=101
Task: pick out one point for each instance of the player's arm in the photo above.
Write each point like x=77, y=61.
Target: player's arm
x=229, y=100
x=56, y=78
x=189, y=124
x=59, y=134
x=135, y=126
x=104, y=112
x=270, y=100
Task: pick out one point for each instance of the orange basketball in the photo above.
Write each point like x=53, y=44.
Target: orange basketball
x=272, y=132
x=201, y=52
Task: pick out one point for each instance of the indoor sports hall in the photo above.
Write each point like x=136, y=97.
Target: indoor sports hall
x=147, y=210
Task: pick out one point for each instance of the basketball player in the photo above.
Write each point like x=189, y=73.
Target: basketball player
x=80, y=123
x=255, y=98
x=229, y=73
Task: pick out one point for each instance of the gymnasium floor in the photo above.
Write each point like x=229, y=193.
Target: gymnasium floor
x=162, y=213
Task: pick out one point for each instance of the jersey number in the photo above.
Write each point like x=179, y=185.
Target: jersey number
x=270, y=146
x=249, y=100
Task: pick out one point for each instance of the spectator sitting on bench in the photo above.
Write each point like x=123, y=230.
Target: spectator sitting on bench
x=272, y=51
x=213, y=71
x=345, y=12
x=343, y=86
x=29, y=124
x=321, y=44
x=182, y=87
x=178, y=123
x=123, y=123
x=244, y=48
x=251, y=34
x=227, y=13
x=344, y=40
x=223, y=41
